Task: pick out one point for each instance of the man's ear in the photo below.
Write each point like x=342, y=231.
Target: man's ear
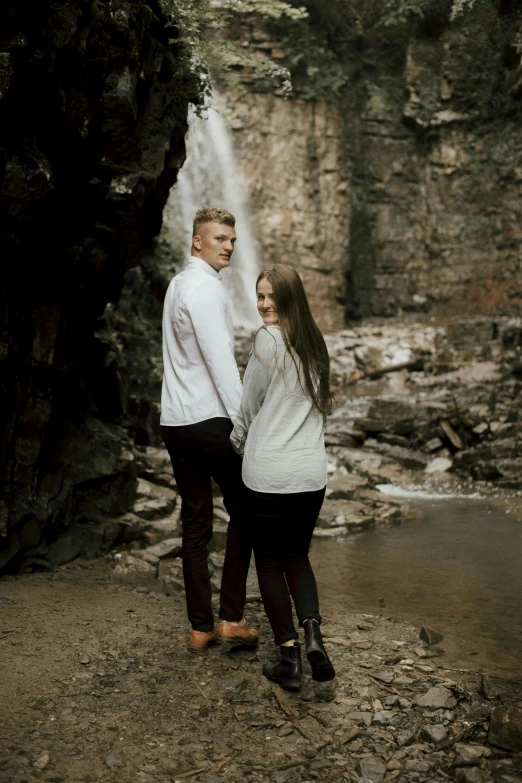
x=196, y=241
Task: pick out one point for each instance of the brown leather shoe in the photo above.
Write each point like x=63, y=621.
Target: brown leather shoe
x=200, y=640
x=242, y=633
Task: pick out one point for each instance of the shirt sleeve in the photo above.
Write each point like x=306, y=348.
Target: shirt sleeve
x=207, y=310
x=258, y=375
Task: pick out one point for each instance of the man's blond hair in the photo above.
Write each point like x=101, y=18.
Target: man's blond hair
x=212, y=215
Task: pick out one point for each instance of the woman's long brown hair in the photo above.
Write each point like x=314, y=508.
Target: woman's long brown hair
x=301, y=334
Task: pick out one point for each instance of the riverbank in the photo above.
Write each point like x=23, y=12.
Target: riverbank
x=98, y=685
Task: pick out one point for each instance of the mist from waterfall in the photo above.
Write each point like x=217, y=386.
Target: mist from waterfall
x=211, y=177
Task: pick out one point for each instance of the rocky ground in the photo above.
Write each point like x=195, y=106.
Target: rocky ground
x=98, y=683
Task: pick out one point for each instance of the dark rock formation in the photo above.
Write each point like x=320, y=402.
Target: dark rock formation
x=94, y=106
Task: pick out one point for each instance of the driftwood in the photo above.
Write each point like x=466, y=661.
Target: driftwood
x=283, y=701
x=191, y=773
x=451, y=434
x=413, y=364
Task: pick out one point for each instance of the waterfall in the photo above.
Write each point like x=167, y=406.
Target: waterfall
x=210, y=177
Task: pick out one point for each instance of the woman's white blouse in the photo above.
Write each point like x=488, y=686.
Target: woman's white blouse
x=278, y=430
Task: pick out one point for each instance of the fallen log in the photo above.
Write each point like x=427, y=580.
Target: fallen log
x=415, y=364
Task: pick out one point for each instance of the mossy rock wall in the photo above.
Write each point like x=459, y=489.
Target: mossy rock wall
x=94, y=101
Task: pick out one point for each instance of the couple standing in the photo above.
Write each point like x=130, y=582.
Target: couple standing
x=274, y=420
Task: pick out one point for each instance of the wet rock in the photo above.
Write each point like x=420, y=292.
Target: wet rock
x=501, y=688
x=434, y=734
x=505, y=728
x=429, y=635
x=371, y=769
x=438, y=697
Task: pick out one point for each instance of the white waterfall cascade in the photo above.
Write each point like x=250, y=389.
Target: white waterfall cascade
x=210, y=177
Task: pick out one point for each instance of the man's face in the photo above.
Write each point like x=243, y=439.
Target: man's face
x=214, y=244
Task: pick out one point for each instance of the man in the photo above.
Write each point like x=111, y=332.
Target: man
x=200, y=400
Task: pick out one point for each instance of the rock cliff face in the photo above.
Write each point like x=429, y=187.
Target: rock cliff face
x=415, y=170
x=94, y=106
x=293, y=158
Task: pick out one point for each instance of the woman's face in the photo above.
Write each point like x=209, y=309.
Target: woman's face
x=265, y=302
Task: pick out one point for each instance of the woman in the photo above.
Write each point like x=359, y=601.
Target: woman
x=279, y=431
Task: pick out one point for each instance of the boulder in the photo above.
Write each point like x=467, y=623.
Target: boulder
x=429, y=635
x=505, y=728
x=469, y=755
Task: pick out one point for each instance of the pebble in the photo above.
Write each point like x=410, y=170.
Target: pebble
x=113, y=761
x=386, y=677
x=351, y=734
x=438, y=697
x=371, y=769
x=406, y=736
x=434, y=734
x=42, y=760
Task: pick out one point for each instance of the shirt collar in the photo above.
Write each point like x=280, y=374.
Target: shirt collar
x=194, y=261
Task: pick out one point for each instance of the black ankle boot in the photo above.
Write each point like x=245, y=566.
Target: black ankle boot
x=322, y=669
x=287, y=671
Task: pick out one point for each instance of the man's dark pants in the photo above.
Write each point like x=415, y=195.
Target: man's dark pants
x=199, y=453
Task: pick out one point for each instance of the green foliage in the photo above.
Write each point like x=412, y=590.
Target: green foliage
x=264, y=9
x=395, y=13
x=318, y=39
x=459, y=6
x=200, y=25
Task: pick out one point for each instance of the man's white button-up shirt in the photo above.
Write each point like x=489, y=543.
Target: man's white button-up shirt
x=200, y=376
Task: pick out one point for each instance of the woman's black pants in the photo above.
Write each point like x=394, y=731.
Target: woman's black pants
x=282, y=527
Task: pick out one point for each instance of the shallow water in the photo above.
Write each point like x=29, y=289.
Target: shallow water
x=456, y=565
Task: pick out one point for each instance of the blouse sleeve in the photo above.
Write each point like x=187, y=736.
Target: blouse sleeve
x=258, y=375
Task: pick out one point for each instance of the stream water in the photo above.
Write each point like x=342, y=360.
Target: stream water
x=454, y=565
